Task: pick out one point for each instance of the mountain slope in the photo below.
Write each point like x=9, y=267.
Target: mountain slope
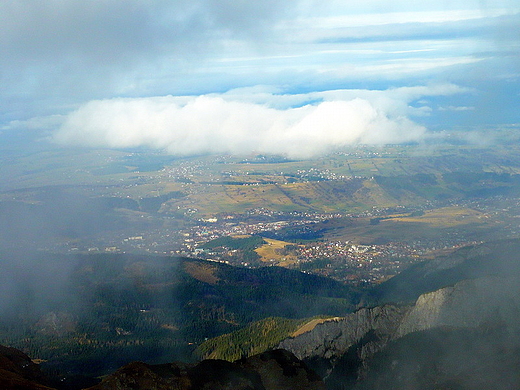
x=255, y=338
x=446, y=358
x=102, y=311
x=457, y=337
x=498, y=258
x=345, y=344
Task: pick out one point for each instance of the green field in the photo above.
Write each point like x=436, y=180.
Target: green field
x=348, y=181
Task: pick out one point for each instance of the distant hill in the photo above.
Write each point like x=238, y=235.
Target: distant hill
x=497, y=258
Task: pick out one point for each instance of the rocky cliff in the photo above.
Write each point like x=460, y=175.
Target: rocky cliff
x=355, y=338
x=477, y=315
x=470, y=303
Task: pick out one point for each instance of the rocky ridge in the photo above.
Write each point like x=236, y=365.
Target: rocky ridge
x=365, y=331
x=272, y=370
x=342, y=351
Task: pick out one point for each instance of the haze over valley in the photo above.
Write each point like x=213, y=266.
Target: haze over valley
x=259, y=195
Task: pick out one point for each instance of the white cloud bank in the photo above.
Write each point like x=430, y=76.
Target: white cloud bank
x=251, y=120
x=209, y=124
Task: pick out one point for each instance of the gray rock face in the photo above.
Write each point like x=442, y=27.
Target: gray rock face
x=469, y=303
x=365, y=331
x=342, y=350
x=336, y=337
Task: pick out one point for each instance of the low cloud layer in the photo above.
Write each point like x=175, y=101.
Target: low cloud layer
x=214, y=124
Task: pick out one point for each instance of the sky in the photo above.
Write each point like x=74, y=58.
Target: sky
x=297, y=77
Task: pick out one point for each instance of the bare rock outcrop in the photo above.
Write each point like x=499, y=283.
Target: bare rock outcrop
x=343, y=351
x=360, y=334
x=469, y=303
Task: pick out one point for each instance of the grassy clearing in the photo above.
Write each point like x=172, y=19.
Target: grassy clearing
x=447, y=217
x=307, y=327
x=433, y=224
x=269, y=253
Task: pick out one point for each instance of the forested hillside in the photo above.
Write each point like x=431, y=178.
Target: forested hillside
x=104, y=310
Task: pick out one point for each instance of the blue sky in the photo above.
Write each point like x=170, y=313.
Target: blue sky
x=230, y=75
